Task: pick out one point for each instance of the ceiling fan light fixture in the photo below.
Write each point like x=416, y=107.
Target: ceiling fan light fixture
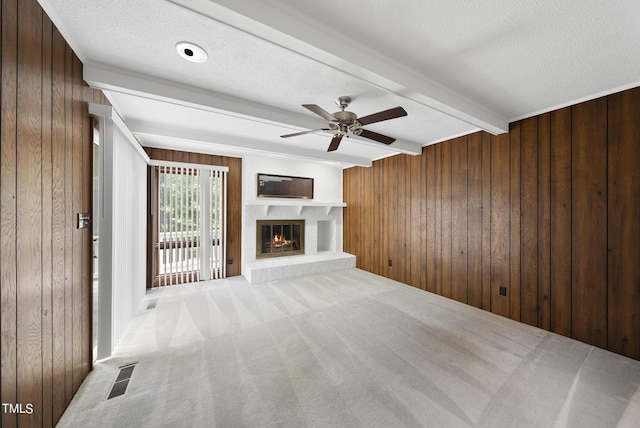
x=345, y=121
x=191, y=52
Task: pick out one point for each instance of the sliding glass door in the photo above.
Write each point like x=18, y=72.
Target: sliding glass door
x=189, y=224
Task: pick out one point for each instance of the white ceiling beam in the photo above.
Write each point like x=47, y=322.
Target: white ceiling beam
x=350, y=56
x=107, y=78
x=208, y=139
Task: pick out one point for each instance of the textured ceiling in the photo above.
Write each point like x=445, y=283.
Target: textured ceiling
x=455, y=66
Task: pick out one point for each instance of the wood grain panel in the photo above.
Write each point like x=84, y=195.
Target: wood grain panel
x=624, y=228
x=8, y=175
x=487, y=141
x=379, y=239
x=474, y=230
x=392, y=225
x=400, y=255
x=561, y=221
x=47, y=221
x=500, y=223
x=529, y=221
x=544, y=204
x=589, y=235
x=234, y=216
x=69, y=223
x=58, y=224
x=39, y=316
x=544, y=222
x=438, y=251
x=29, y=212
x=362, y=209
x=459, y=219
x=386, y=225
x=515, y=297
x=430, y=162
x=447, y=217
x=417, y=202
x=423, y=221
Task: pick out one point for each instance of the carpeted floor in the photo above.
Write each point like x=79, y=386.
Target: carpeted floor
x=348, y=349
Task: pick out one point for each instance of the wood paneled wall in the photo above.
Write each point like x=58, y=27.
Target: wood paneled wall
x=549, y=211
x=234, y=199
x=45, y=180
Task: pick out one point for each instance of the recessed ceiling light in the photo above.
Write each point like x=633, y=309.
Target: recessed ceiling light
x=191, y=52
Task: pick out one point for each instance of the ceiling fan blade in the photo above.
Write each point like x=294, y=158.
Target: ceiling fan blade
x=305, y=132
x=320, y=112
x=377, y=137
x=335, y=142
x=392, y=113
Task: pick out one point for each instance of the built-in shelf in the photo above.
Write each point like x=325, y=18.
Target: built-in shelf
x=299, y=204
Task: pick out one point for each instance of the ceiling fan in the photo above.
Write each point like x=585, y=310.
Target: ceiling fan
x=345, y=121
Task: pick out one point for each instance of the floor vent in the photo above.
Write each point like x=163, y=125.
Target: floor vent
x=152, y=304
x=122, y=381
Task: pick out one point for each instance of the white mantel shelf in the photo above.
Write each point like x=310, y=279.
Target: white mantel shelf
x=300, y=204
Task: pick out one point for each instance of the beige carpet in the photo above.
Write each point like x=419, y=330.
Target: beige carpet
x=348, y=349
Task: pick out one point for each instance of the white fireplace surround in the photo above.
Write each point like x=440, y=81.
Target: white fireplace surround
x=323, y=239
x=322, y=216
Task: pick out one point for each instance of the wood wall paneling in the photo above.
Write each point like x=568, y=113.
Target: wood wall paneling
x=589, y=231
x=446, y=227
x=500, y=223
x=417, y=202
x=8, y=178
x=529, y=221
x=623, y=293
x=548, y=211
x=459, y=219
x=486, y=221
x=424, y=218
x=47, y=222
x=544, y=222
x=430, y=250
x=560, y=274
x=379, y=238
x=438, y=249
x=59, y=224
x=515, y=298
x=29, y=212
x=45, y=179
x=392, y=224
x=474, y=220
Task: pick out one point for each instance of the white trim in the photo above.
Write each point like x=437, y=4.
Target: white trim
x=105, y=242
x=110, y=113
x=154, y=162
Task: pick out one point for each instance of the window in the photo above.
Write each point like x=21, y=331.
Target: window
x=189, y=223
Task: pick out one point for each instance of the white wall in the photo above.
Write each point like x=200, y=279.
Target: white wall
x=327, y=188
x=129, y=233
x=327, y=184
x=123, y=228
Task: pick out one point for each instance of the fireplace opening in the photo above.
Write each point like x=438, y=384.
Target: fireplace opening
x=276, y=238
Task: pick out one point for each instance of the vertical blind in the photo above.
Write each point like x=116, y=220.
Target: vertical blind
x=191, y=224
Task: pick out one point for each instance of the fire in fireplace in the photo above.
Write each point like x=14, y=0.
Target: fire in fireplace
x=279, y=238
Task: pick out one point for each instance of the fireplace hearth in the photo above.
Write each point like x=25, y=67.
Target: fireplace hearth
x=276, y=238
